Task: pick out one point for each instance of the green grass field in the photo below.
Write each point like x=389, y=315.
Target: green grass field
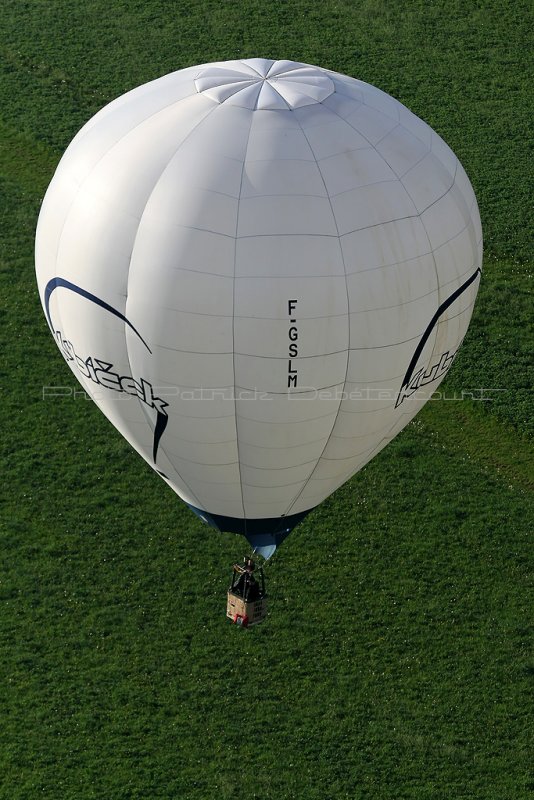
x=397, y=662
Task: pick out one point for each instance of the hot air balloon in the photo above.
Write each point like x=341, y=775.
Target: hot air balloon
x=260, y=271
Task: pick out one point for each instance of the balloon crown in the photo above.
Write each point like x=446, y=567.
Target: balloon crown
x=264, y=84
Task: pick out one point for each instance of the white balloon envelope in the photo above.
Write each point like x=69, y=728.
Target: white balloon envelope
x=260, y=271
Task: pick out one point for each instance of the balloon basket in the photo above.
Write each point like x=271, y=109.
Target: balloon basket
x=244, y=613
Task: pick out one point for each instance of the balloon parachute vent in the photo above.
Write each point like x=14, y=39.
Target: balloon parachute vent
x=261, y=84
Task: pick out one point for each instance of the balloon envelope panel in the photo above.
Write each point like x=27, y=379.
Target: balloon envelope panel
x=260, y=271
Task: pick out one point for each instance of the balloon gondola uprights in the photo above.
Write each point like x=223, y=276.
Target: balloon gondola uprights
x=247, y=598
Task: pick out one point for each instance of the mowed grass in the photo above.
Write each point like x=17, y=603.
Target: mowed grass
x=397, y=658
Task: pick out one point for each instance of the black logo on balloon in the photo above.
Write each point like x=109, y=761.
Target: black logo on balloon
x=102, y=372
x=413, y=380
